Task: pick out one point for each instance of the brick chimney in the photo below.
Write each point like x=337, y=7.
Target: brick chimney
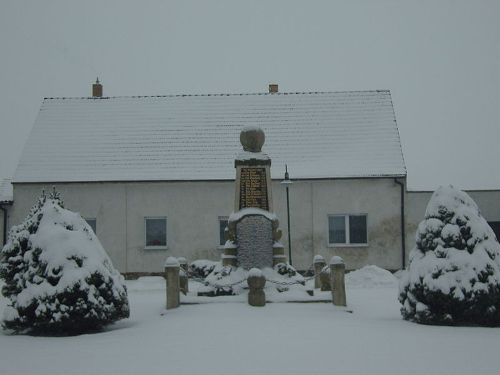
x=97, y=89
x=273, y=88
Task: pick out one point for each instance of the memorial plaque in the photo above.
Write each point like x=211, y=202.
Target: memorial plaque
x=253, y=188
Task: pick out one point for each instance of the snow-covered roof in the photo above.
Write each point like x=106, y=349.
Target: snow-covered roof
x=5, y=190
x=196, y=137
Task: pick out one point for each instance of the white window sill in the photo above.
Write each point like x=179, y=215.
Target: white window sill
x=155, y=248
x=347, y=245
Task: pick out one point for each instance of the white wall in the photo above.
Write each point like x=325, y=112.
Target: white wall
x=193, y=208
x=313, y=201
x=103, y=201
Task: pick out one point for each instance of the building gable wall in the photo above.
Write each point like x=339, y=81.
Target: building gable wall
x=193, y=208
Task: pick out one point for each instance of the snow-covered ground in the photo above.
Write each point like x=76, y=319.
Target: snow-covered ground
x=280, y=338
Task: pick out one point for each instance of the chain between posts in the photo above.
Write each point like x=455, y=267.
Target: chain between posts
x=284, y=283
x=208, y=283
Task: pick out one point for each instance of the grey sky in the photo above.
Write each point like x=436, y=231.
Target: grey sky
x=440, y=59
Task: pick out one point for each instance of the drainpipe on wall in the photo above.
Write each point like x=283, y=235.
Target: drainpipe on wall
x=4, y=209
x=403, y=236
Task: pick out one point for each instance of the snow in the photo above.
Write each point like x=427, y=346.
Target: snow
x=281, y=338
x=196, y=137
x=289, y=282
x=456, y=254
x=203, y=267
x=236, y=216
x=64, y=235
x=6, y=191
x=247, y=155
x=336, y=260
x=172, y=262
x=371, y=277
x=230, y=245
x=255, y=272
x=460, y=267
x=318, y=259
x=277, y=245
x=249, y=128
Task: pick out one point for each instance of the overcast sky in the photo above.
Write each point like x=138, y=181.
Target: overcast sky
x=440, y=59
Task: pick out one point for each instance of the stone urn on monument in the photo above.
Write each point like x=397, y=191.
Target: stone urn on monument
x=252, y=234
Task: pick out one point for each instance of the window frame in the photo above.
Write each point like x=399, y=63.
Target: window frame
x=347, y=231
x=219, y=219
x=159, y=247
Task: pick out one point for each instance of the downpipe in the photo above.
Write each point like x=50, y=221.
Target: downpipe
x=403, y=234
x=4, y=241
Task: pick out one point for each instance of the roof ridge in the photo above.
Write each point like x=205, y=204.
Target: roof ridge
x=210, y=95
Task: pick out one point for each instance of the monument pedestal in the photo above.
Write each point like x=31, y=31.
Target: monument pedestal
x=253, y=240
x=253, y=234
x=278, y=253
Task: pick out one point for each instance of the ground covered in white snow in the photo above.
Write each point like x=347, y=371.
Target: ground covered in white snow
x=280, y=338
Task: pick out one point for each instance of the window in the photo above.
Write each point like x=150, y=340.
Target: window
x=495, y=225
x=92, y=223
x=222, y=229
x=156, y=232
x=347, y=230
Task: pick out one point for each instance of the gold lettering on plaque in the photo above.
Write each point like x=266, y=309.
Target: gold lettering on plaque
x=253, y=188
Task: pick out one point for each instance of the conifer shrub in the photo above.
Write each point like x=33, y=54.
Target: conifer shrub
x=453, y=276
x=58, y=278
x=201, y=268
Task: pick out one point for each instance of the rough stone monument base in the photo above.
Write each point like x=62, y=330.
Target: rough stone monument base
x=252, y=240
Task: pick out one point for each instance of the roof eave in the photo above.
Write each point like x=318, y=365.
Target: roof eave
x=353, y=177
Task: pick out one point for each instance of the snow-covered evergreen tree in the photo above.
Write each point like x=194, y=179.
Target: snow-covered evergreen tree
x=58, y=278
x=453, y=276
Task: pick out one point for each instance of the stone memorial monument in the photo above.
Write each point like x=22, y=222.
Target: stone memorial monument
x=253, y=234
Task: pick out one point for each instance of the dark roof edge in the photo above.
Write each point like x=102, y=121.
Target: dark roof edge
x=221, y=180
x=210, y=95
x=466, y=190
x=399, y=134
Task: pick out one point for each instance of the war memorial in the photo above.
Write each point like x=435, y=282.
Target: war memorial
x=253, y=253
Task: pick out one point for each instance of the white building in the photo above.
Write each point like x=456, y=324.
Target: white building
x=155, y=175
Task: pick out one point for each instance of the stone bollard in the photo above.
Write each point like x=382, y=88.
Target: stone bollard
x=319, y=263
x=183, y=275
x=337, y=272
x=173, y=285
x=256, y=282
x=183, y=263
x=324, y=279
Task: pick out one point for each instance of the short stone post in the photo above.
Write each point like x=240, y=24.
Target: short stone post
x=173, y=284
x=324, y=279
x=256, y=282
x=183, y=275
x=318, y=263
x=337, y=273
